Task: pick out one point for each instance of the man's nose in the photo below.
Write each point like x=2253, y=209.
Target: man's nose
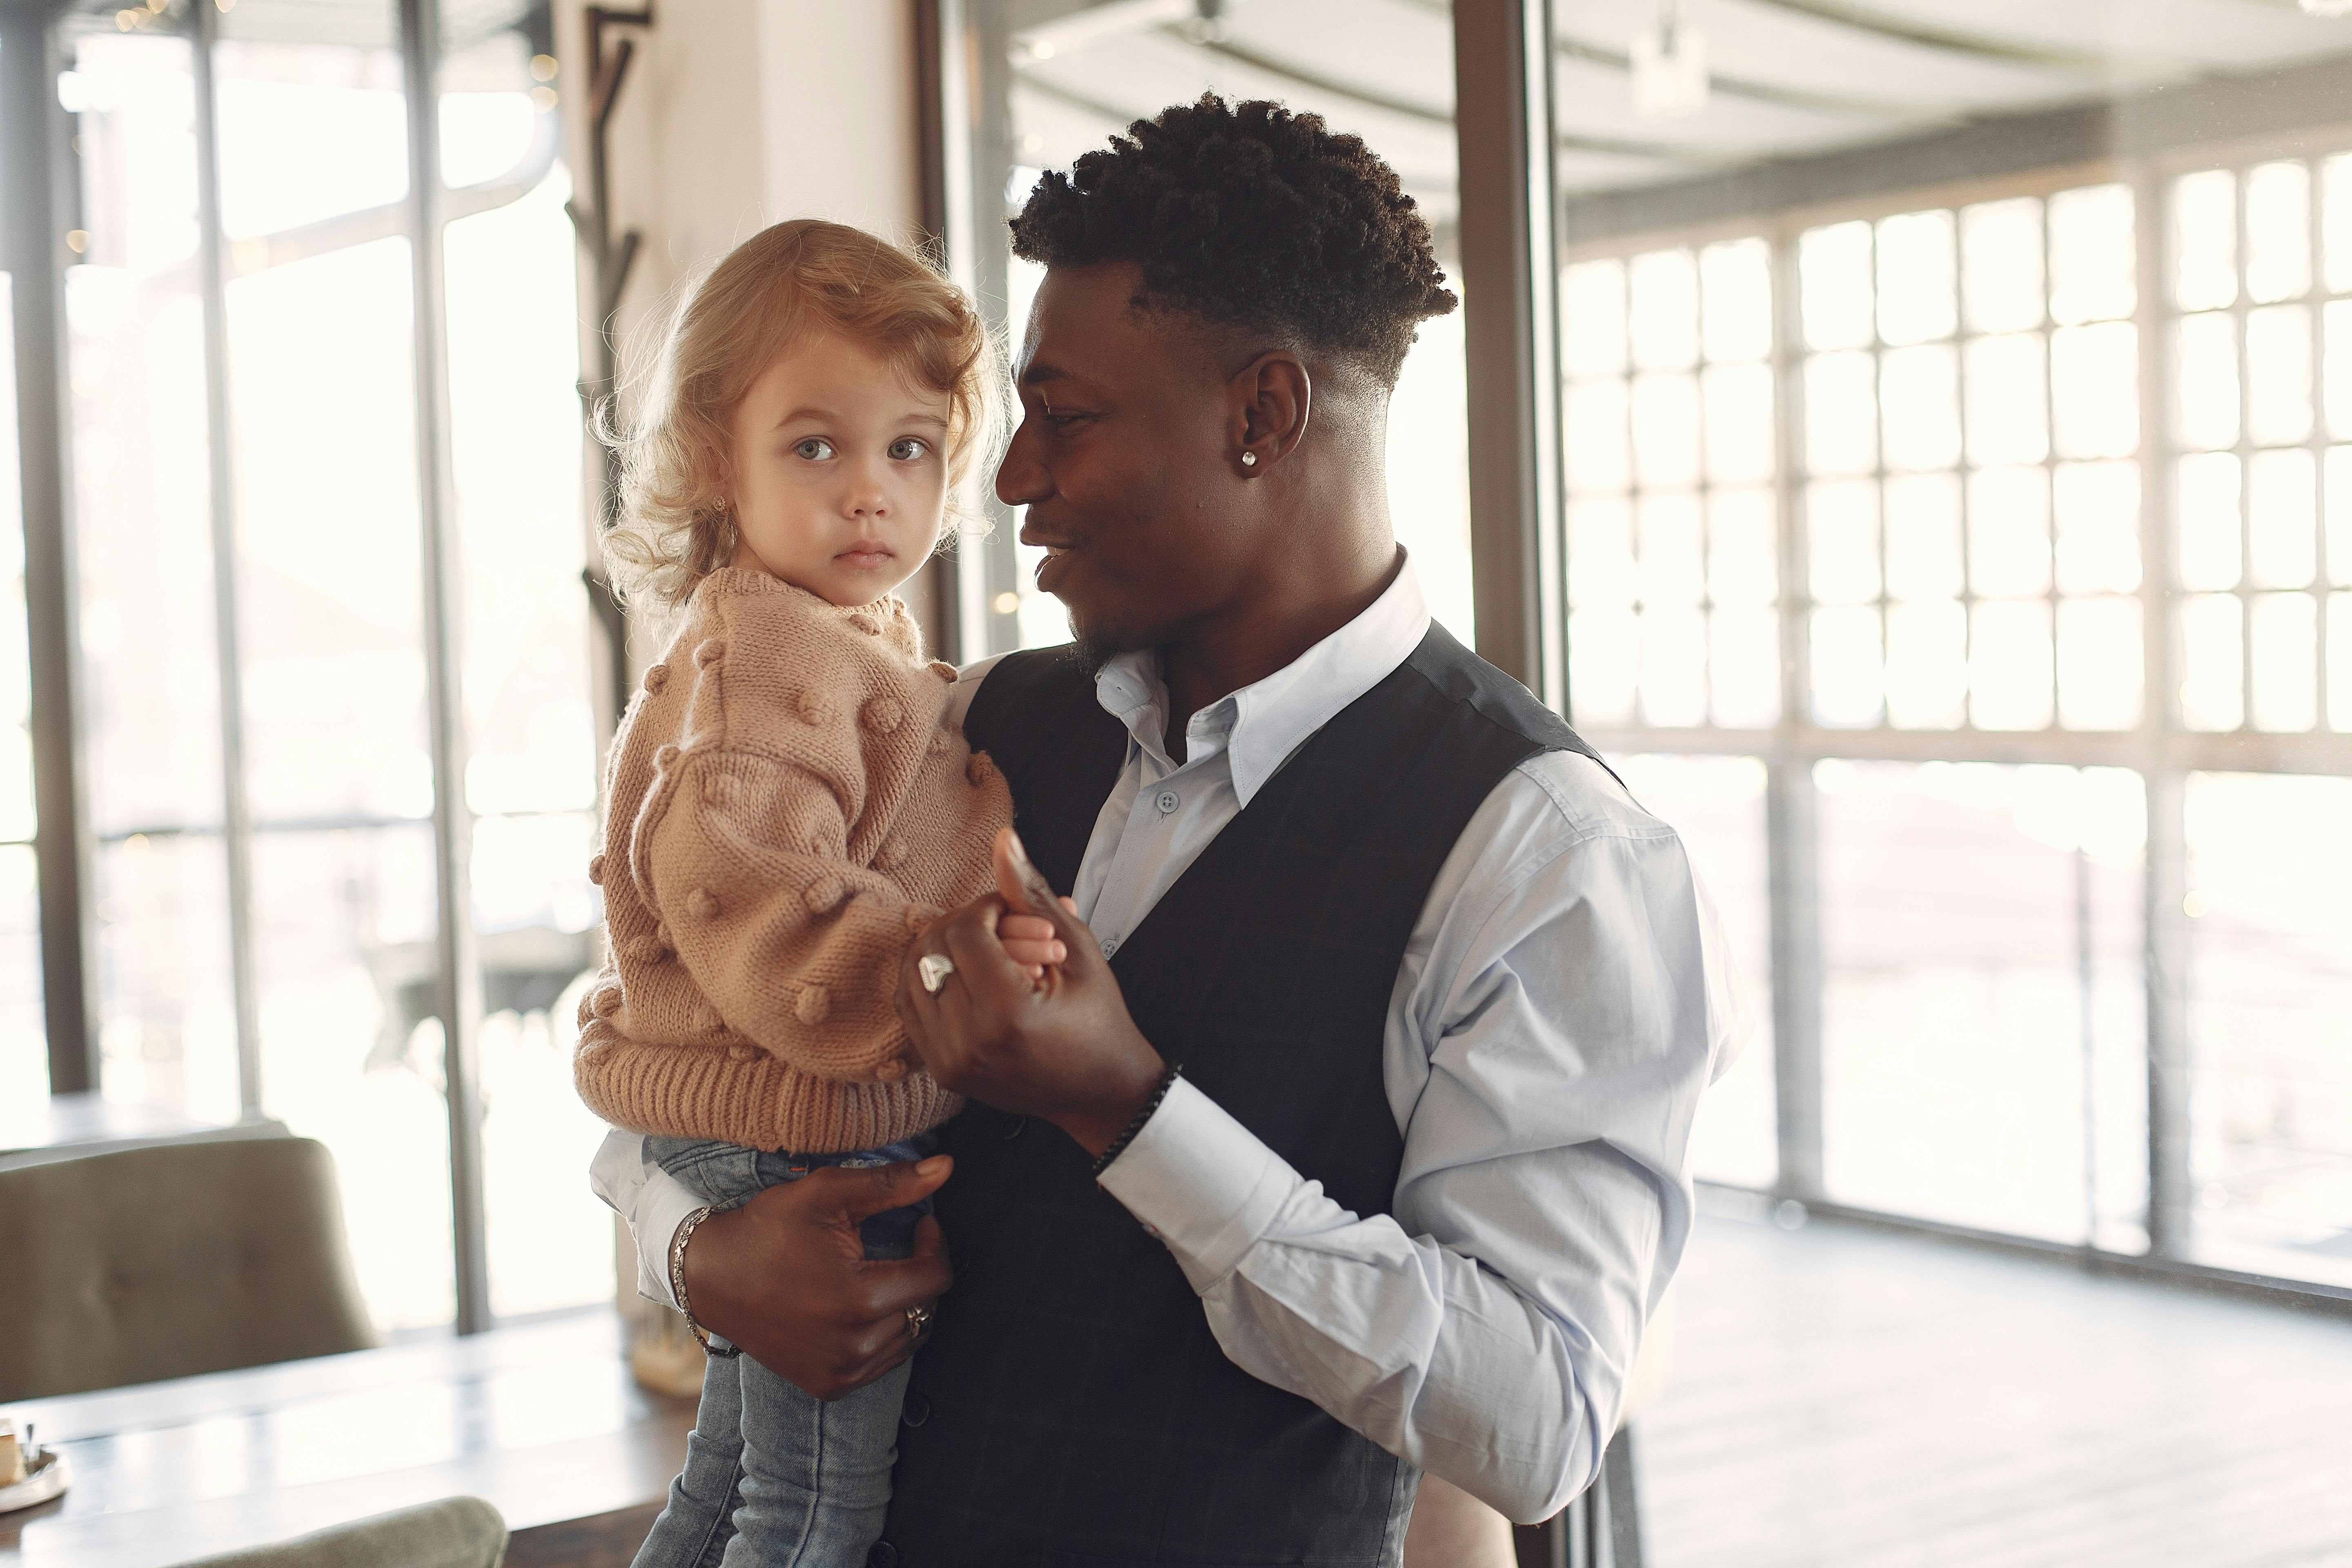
x=1021, y=479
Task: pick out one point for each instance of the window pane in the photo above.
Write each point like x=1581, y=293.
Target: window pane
x=1739, y=436
x=2095, y=390
x=1918, y=390
x=2278, y=231
x=1960, y=1044
x=2091, y=261
x=515, y=448
x=1842, y=519
x=1744, y=663
x=2009, y=665
x=1738, y=281
x=1665, y=429
x=1602, y=657
x=1673, y=569
x=1848, y=660
x=2205, y=240
x=2097, y=505
x=1926, y=664
x=2271, y=1022
x=2009, y=407
x=1598, y=454
x=2212, y=691
x=2207, y=417
x=1840, y=414
x=151, y=726
x=1743, y=563
x=1715, y=805
x=2008, y=532
x=2286, y=635
x=2100, y=667
x=2339, y=663
x=1674, y=666
x=2001, y=265
x=2281, y=519
x=1916, y=298
x=1601, y=554
x=2339, y=516
x=2209, y=552
x=1923, y=536
x=2278, y=374
x=1592, y=312
x=1663, y=320
x=2336, y=222
x=1834, y=268
x=2336, y=367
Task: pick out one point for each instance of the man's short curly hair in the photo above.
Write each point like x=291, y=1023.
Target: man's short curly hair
x=1247, y=213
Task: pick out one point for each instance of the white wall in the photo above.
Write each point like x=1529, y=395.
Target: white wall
x=737, y=114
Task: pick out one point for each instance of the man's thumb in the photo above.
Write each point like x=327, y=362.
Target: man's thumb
x=1022, y=885
x=895, y=1187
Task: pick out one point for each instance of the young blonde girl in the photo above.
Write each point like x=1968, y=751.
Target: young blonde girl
x=786, y=807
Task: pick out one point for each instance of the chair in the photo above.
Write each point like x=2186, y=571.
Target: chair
x=1601, y=1529
x=172, y=1260
x=456, y=1532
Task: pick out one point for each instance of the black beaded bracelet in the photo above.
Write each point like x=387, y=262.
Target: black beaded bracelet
x=1168, y=1076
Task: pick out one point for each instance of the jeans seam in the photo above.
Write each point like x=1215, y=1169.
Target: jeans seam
x=721, y=1519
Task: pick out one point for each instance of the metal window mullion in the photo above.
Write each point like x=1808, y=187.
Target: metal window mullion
x=236, y=819
x=987, y=567
x=34, y=175
x=2316, y=298
x=457, y=980
x=2242, y=317
x=1792, y=844
x=2164, y=883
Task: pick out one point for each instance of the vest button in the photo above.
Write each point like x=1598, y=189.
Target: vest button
x=1013, y=1129
x=916, y=1411
x=883, y=1555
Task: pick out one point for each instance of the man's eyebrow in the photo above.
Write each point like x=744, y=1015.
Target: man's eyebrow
x=1039, y=373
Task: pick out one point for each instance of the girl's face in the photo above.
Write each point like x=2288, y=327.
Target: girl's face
x=840, y=472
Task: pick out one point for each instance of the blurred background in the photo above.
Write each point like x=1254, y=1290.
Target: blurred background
x=1911, y=437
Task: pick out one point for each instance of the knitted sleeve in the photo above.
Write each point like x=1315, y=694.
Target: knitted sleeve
x=796, y=947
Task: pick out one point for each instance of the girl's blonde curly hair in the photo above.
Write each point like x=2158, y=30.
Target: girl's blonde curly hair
x=777, y=289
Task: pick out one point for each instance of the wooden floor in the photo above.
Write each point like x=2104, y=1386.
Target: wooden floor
x=1844, y=1398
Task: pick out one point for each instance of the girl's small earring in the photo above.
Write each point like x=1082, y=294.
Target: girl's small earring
x=1249, y=459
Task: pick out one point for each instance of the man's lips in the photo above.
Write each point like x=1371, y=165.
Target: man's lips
x=1051, y=569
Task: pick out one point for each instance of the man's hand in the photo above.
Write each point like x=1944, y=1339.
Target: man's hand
x=1062, y=1048
x=786, y=1278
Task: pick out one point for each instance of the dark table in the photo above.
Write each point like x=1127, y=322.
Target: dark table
x=542, y=1420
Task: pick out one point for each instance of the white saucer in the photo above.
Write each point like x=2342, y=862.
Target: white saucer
x=49, y=1476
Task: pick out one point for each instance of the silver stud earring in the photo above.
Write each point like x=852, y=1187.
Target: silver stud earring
x=1249, y=459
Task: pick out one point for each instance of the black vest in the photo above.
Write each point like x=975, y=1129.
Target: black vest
x=1073, y=1409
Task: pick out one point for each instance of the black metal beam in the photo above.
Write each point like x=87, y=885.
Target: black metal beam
x=236, y=816
x=36, y=177
x=1502, y=72
x=458, y=982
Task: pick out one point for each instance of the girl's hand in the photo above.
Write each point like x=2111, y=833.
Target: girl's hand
x=1031, y=942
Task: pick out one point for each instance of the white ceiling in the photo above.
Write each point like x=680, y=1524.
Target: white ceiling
x=1790, y=77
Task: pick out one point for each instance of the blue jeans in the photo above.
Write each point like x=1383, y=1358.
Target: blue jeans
x=775, y=1477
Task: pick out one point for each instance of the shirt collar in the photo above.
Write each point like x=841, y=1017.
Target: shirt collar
x=1266, y=720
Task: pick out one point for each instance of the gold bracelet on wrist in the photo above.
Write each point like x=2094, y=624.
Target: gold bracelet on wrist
x=677, y=1282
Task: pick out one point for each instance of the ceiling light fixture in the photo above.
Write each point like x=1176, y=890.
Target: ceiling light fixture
x=1669, y=61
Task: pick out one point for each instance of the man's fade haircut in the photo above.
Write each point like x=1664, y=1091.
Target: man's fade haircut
x=1251, y=216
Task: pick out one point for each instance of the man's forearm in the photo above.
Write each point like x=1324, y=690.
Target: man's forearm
x=1439, y=1361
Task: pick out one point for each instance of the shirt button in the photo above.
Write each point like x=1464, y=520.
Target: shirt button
x=917, y=1410
x=1169, y=800
x=882, y=1555
x=1109, y=946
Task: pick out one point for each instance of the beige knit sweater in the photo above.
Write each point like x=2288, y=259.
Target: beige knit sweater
x=783, y=809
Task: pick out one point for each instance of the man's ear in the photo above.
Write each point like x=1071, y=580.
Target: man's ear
x=1271, y=401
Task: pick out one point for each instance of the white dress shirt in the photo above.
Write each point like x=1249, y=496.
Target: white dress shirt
x=1563, y=999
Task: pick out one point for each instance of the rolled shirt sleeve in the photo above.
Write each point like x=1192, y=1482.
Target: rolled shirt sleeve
x=1562, y=1005
x=649, y=1200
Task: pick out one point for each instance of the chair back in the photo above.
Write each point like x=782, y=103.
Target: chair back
x=455, y=1532
x=169, y=1260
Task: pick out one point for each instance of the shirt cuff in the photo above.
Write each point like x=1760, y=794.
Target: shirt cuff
x=1202, y=1182
x=661, y=1210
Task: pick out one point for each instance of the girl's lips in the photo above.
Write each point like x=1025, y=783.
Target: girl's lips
x=865, y=556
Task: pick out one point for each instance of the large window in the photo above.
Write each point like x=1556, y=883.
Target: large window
x=1978, y=495
x=277, y=537
x=1072, y=76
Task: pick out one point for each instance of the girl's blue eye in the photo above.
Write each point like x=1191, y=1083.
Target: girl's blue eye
x=815, y=450
x=907, y=449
